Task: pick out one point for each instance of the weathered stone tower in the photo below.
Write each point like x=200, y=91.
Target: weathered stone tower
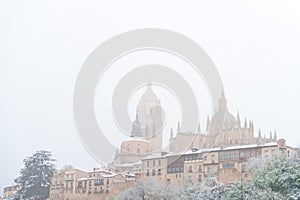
x=150, y=118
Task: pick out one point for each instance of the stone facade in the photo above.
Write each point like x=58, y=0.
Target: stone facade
x=10, y=192
x=227, y=164
x=100, y=184
x=222, y=130
x=146, y=133
x=149, y=115
x=223, y=149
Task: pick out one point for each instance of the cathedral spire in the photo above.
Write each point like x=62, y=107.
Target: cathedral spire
x=275, y=136
x=198, y=128
x=207, y=124
x=259, y=134
x=136, y=127
x=271, y=138
x=178, y=127
x=149, y=86
x=223, y=102
x=171, y=133
x=245, y=124
x=238, y=119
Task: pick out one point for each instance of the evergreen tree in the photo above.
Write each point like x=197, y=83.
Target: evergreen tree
x=280, y=175
x=35, y=177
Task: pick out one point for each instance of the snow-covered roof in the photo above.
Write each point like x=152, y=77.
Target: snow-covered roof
x=138, y=162
x=86, y=179
x=136, y=139
x=206, y=150
x=109, y=175
x=126, y=165
x=155, y=155
x=251, y=146
x=100, y=170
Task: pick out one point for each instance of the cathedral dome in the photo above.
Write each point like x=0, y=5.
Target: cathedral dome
x=149, y=95
x=222, y=119
x=136, y=145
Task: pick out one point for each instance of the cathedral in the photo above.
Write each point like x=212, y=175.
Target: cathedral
x=146, y=132
x=222, y=130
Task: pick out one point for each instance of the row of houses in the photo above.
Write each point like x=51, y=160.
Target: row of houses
x=227, y=164
x=73, y=184
x=188, y=167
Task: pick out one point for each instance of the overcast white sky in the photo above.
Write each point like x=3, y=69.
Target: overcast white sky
x=254, y=44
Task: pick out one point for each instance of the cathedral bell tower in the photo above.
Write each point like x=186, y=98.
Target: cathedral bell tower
x=149, y=115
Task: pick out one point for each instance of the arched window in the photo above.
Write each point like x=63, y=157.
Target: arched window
x=128, y=149
x=138, y=150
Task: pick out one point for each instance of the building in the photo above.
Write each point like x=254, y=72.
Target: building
x=146, y=134
x=150, y=118
x=222, y=130
x=64, y=184
x=10, y=192
x=100, y=184
x=223, y=149
x=227, y=164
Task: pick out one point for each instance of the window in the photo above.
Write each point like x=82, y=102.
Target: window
x=98, y=182
x=153, y=172
x=173, y=169
x=153, y=162
x=243, y=167
x=228, y=165
x=200, y=168
x=159, y=162
x=147, y=163
x=181, y=169
x=107, y=182
x=200, y=178
x=147, y=174
x=159, y=172
x=190, y=180
x=169, y=170
x=168, y=181
x=190, y=168
x=213, y=157
x=128, y=149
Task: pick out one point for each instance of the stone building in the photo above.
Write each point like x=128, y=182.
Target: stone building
x=222, y=130
x=146, y=134
x=150, y=118
x=223, y=149
x=10, y=192
x=227, y=164
x=100, y=184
